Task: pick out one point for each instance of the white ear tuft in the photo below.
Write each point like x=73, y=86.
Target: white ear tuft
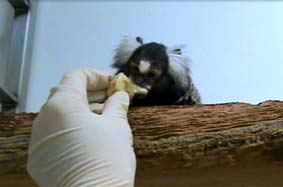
x=179, y=66
x=125, y=50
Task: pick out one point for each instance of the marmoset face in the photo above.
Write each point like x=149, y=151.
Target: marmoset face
x=148, y=65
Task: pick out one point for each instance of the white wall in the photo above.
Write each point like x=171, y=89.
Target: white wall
x=235, y=47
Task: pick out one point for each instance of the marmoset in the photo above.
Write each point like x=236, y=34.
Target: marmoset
x=163, y=71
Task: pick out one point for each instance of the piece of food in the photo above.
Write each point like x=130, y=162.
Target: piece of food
x=121, y=82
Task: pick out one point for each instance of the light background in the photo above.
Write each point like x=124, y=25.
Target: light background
x=235, y=47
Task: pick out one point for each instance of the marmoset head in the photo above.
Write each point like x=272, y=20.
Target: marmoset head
x=151, y=65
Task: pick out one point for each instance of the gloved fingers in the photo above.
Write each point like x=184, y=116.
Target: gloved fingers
x=117, y=105
x=96, y=108
x=96, y=96
x=75, y=84
x=79, y=81
x=86, y=79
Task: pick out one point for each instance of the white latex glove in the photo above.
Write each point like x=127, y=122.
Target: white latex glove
x=72, y=146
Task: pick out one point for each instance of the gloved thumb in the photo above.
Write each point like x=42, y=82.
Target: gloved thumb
x=117, y=105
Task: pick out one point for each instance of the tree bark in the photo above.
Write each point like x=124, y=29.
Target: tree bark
x=201, y=136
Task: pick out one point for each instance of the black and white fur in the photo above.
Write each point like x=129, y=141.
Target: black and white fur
x=163, y=71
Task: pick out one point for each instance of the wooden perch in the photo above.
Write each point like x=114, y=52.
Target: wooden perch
x=194, y=137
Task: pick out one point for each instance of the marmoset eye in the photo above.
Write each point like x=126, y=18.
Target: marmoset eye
x=151, y=75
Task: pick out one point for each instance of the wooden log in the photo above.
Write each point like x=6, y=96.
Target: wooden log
x=194, y=137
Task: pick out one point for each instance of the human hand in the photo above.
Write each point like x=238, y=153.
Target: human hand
x=72, y=146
